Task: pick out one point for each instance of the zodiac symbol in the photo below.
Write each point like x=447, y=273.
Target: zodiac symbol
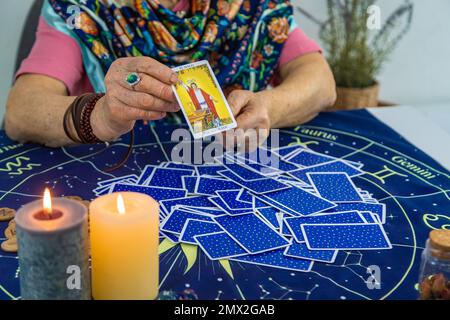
x=20, y=168
x=385, y=173
x=298, y=141
x=427, y=218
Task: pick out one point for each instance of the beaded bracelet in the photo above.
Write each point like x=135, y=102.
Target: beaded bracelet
x=79, y=112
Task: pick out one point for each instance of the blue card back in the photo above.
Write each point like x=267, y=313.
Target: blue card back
x=308, y=158
x=219, y=246
x=277, y=259
x=336, y=166
x=257, y=186
x=336, y=187
x=229, y=198
x=168, y=177
x=189, y=183
x=220, y=203
x=194, y=228
x=209, y=170
x=346, y=237
x=270, y=215
x=376, y=208
x=252, y=233
x=198, y=202
x=175, y=221
x=242, y=172
x=209, y=186
x=300, y=250
x=294, y=224
x=145, y=175
x=299, y=201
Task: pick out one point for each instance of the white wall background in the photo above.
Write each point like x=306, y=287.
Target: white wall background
x=417, y=74
x=12, y=16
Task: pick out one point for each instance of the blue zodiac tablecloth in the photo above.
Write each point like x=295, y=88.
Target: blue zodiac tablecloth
x=415, y=189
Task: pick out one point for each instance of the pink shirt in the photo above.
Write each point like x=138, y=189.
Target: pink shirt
x=57, y=55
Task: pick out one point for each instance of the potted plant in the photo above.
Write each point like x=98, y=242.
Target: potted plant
x=357, y=46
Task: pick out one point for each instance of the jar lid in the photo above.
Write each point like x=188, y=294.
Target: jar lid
x=440, y=241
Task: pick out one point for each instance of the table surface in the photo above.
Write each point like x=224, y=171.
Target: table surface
x=427, y=127
x=417, y=200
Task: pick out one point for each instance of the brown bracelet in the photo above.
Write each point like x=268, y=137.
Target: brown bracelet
x=80, y=113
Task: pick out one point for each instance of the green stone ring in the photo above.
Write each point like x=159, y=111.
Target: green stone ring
x=133, y=79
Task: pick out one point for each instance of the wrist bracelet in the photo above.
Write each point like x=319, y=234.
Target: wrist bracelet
x=80, y=113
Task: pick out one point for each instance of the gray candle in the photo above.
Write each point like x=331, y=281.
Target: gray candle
x=53, y=250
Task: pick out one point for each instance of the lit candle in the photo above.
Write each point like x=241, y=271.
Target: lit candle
x=124, y=231
x=53, y=250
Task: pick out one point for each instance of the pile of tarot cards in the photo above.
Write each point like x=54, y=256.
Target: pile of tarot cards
x=285, y=208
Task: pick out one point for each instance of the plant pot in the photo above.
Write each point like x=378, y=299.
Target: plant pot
x=357, y=98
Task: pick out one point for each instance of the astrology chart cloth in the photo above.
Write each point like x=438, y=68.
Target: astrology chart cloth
x=413, y=188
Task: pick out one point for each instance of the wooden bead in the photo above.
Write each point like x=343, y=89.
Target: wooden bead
x=7, y=214
x=10, y=245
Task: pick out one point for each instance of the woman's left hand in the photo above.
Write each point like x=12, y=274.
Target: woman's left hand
x=252, y=112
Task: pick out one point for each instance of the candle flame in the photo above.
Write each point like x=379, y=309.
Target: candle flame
x=47, y=202
x=120, y=204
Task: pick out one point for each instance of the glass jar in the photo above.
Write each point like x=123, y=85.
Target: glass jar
x=434, y=280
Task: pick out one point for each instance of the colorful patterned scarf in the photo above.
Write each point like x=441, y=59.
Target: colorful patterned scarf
x=242, y=39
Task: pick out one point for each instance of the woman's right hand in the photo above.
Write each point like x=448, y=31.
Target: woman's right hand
x=151, y=99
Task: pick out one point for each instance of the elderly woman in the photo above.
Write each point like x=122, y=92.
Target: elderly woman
x=98, y=66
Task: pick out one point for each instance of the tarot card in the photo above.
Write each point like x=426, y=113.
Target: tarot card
x=300, y=250
x=307, y=158
x=219, y=246
x=294, y=224
x=174, y=223
x=270, y=215
x=298, y=201
x=202, y=101
x=345, y=237
x=277, y=259
x=376, y=208
x=229, y=198
x=336, y=187
x=335, y=166
x=193, y=228
x=209, y=170
x=252, y=233
x=220, y=203
x=209, y=186
x=196, y=202
x=257, y=186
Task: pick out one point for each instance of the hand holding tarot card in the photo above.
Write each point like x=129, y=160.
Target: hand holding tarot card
x=202, y=101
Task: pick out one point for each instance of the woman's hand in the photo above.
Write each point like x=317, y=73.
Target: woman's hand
x=252, y=112
x=151, y=99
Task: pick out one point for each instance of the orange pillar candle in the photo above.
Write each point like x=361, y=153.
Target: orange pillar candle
x=124, y=232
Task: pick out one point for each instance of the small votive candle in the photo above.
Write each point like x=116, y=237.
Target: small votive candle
x=53, y=250
x=124, y=231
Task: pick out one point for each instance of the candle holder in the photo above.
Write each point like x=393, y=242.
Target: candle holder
x=53, y=251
